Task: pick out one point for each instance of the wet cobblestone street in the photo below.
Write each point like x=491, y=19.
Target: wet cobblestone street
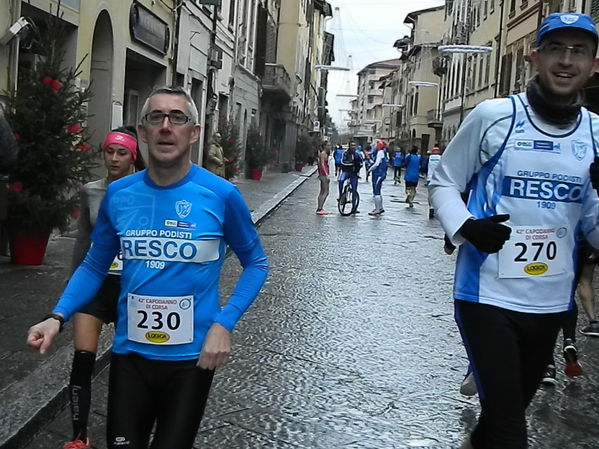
x=352, y=344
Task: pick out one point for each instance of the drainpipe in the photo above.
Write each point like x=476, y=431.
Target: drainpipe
x=177, y=11
x=236, y=23
x=211, y=101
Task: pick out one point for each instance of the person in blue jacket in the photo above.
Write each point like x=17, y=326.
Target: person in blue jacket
x=412, y=164
x=338, y=154
x=351, y=164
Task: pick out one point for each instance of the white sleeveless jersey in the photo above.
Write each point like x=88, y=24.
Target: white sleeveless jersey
x=539, y=175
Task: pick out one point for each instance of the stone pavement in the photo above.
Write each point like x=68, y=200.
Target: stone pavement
x=352, y=344
x=33, y=387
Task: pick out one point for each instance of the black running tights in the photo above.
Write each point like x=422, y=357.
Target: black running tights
x=508, y=351
x=142, y=392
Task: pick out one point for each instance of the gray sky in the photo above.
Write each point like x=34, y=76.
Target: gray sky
x=365, y=31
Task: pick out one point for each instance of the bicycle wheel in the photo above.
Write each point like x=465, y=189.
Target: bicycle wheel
x=345, y=202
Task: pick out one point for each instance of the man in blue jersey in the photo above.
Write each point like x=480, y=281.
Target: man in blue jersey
x=172, y=223
x=524, y=160
x=412, y=163
x=379, y=172
x=397, y=164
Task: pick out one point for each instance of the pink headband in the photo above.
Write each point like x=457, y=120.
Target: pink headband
x=122, y=139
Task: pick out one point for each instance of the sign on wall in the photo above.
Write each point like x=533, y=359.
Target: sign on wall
x=148, y=28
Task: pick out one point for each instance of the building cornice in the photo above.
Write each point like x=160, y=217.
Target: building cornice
x=522, y=17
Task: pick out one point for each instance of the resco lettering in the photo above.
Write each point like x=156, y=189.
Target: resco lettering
x=170, y=250
x=547, y=190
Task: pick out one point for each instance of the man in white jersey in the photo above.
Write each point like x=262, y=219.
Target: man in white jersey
x=524, y=160
x=433, y=159
x=172, y=223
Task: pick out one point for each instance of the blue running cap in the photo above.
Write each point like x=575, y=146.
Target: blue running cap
x=560, y=20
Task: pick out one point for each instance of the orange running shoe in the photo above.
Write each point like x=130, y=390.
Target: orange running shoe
x=77, y=444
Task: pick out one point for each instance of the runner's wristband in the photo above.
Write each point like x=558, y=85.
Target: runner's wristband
x=56, y=316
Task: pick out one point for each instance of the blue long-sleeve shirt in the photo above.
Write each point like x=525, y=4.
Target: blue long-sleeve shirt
x=173, y=241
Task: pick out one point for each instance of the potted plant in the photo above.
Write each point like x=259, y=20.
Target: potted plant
x=47, y=115
x=256, y=153
x=231, y=147
x=304, y=148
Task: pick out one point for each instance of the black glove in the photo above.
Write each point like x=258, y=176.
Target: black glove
x=594, y=171
x=487, y=234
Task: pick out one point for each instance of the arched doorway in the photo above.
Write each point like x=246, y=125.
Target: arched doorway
x=102, y=53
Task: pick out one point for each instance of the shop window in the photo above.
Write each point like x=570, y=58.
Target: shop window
x=131, y=107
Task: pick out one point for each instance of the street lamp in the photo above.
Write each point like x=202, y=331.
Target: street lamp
x=330, y=67
x=423, y=84
x=464, y=50
x=458, y=48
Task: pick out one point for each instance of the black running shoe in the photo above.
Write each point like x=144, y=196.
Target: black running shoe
x=549, y=376
x=592, y=330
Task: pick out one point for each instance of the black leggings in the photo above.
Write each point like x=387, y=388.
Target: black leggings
x=508, y=352
x=142, y=391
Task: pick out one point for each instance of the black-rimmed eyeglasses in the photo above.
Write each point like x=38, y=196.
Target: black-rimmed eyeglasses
x=175, y=117
x=557, y=50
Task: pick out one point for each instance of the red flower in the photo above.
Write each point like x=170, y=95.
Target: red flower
x=83, y=146
x=74, y=128
x=16, y=187
x=16, y=136
x=52, y=84
x=75, y=213
x=229, y=141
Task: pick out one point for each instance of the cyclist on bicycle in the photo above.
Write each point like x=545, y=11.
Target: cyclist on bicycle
x=351, y=163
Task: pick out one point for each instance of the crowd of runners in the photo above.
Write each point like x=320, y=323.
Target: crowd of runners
x=515, y=190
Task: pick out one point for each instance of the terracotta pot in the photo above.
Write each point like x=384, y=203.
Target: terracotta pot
x=256, y=174
x=27, y=247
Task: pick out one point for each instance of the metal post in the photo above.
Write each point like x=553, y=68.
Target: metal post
x=13, y=52
x=498, y=73
x=464, y=69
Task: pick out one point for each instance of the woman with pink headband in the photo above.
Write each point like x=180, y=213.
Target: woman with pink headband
x=121, y=156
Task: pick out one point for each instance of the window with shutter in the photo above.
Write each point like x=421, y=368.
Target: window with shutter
x=595, y=9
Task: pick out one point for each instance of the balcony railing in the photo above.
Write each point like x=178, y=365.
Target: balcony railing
x=433, y=118
x=276, y=80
